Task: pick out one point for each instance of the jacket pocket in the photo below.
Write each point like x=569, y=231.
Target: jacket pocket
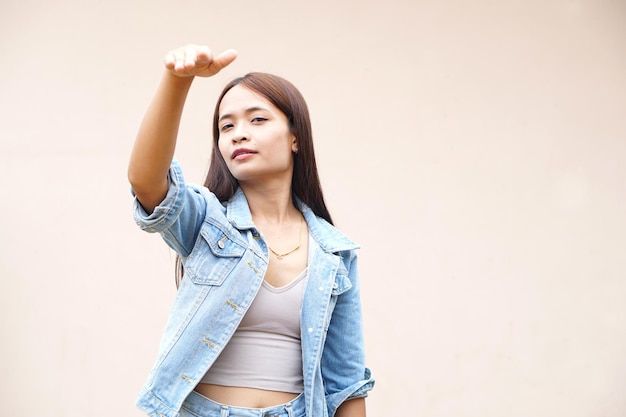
x=213, y=257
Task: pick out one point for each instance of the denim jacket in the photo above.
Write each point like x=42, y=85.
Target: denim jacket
x=225, y=258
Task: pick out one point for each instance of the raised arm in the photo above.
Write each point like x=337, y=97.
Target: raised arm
x=156, y=140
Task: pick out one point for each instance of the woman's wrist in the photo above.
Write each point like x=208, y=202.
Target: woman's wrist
x=178, y=82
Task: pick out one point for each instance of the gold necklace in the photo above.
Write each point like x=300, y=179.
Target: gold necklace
x=280, y=256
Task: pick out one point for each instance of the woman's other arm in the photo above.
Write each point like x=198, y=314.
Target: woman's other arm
x=352, y=408
x=156, y=139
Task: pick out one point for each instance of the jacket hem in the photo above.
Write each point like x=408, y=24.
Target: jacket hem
x=153, y=406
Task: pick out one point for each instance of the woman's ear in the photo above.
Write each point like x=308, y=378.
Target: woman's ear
x=294, y=145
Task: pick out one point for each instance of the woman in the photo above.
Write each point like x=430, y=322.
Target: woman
x=267, y=319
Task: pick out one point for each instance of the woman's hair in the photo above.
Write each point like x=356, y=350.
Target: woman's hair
x=305, y=183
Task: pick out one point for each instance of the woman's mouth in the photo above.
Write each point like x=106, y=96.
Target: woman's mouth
x=242, y=153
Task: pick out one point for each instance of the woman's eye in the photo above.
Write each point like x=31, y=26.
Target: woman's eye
x=226, y=126
x=258, y=119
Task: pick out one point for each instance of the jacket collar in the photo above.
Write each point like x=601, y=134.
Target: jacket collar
x=327, y=236
x=238, y=211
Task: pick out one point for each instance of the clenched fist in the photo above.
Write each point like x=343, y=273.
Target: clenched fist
x=197, y=60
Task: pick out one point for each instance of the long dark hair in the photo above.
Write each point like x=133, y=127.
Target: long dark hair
x=305, y=182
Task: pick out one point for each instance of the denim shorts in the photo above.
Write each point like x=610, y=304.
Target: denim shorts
x=197, y=405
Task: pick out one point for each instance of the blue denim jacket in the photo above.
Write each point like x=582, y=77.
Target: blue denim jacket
x=225, y=259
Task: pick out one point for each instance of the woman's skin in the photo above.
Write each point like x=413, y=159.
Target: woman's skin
x=156, y=140
x=258, y=148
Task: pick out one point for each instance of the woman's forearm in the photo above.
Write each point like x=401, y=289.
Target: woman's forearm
x=352, y=408
x=156, y=140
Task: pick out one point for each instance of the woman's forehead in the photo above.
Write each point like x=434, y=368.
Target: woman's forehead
x=240, y=98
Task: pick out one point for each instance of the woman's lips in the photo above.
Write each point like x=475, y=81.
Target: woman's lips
x=242, y=153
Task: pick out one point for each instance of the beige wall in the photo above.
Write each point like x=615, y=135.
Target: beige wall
x=475, y=149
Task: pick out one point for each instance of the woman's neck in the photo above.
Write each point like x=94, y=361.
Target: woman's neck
x=271, y=204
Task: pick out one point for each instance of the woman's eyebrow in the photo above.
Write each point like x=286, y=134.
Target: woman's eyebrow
x=247, y=111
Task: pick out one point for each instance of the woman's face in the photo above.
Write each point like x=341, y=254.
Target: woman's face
x=254, y=137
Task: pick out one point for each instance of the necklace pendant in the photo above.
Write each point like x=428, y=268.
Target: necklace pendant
x=280, y=256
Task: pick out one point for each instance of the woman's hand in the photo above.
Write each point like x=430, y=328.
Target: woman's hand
x=197, y=60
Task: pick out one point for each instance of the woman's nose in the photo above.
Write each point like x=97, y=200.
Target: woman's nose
x=240, y=134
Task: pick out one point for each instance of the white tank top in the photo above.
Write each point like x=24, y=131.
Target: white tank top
x=265, y=351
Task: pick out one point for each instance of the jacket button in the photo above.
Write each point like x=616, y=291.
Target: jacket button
x=335, y=285
x=220, y=244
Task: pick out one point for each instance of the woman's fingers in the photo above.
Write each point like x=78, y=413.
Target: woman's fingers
x=175, y=61
x=170, y=60
x=190, y=57
x=192, y=60
x=224, y=59
x=204, y=56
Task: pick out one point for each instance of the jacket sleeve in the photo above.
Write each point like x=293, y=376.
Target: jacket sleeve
x=343, y=360
x=178, y=217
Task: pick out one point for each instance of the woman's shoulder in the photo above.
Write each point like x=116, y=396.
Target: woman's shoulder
x=329, y=237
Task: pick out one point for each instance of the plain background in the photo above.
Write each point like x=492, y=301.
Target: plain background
x=475, y=150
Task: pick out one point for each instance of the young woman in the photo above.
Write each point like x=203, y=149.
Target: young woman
x=267, y=319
